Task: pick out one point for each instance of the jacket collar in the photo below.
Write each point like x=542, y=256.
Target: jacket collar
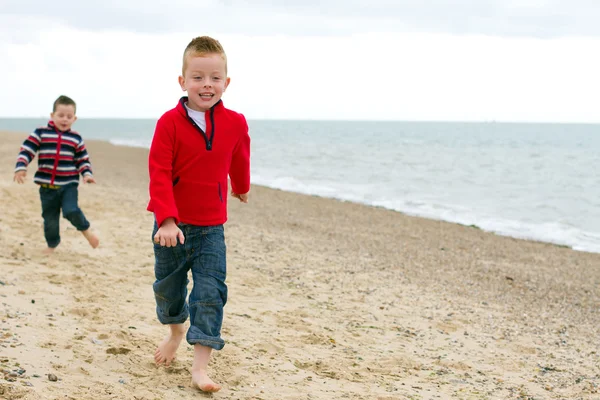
x=52, y=126
x=182, y=110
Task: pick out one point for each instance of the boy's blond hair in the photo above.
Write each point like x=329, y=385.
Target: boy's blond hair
x=202, y=46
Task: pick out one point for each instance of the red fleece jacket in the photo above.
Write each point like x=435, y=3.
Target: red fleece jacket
x=189, y=167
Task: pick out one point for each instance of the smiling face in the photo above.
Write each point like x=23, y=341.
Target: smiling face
x=205, y=79
x=64, y=116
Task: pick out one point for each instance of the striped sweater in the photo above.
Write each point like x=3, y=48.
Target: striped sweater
x=62, y=156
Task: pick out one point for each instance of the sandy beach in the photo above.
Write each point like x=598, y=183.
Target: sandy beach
x=327, y=300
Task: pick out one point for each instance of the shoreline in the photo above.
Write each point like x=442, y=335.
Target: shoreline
x=327, y=298
x=475, y=226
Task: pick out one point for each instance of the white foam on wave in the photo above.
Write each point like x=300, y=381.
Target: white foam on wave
x=549, y=232
x=131, y=143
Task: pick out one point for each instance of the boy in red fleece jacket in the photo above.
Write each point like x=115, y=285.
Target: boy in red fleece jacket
x=196, y=145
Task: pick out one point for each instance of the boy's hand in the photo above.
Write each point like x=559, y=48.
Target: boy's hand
x=88, y=179
x=20, y=176
x=168, y=233
x=242, y=197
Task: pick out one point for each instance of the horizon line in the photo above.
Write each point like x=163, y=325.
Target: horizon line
x=476, y=121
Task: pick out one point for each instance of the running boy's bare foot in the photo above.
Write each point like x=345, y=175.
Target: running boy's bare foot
x=200, y=380
x=48, y=250
x=165, y=352
x=91, y=238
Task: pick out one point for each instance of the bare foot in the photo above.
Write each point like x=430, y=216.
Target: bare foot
x=48, y=250
x=91, y=238
x=165, y=352
x=200, y=380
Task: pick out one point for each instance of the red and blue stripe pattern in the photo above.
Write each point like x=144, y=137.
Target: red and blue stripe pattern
x=62, y=156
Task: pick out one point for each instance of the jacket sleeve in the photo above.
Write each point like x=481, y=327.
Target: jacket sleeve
x=30, y=146
x=82, y=160
x=240, y=162
x=160, y=165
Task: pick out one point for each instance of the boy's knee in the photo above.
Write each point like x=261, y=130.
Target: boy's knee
x=73, y=215
x=77, y=219
x=70, y=212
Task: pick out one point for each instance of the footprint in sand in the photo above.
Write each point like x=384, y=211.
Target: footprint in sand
x=117, y=350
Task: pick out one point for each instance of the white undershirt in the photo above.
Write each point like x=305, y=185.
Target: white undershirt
x=197, y=116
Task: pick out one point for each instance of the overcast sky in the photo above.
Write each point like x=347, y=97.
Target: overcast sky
x=504, y=60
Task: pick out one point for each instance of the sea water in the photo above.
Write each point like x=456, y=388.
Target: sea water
x=532, y=181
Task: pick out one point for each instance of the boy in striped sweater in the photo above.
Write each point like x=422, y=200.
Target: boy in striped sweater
x=62, y=157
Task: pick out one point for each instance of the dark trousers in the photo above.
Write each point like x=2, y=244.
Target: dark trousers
x=55, y=200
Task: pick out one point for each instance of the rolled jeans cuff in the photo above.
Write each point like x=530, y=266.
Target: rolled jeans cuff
x=195, y=336
x=170, y=320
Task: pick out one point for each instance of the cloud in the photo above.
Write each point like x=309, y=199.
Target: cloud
x=536, y=18
x=411, y=76
x=309, y=60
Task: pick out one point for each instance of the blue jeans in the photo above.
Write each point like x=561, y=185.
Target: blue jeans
x=53, y=200
x=203, y=252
